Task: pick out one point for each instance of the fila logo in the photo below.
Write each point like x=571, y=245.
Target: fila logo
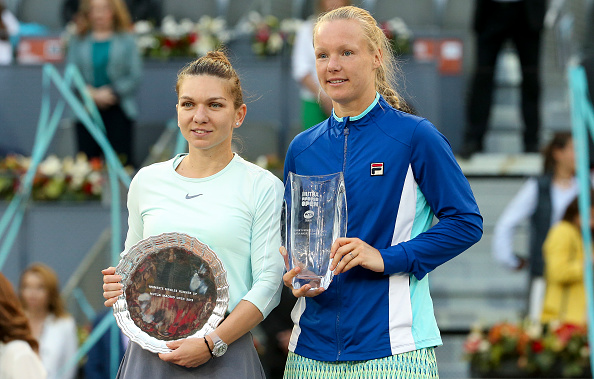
x=377, y=169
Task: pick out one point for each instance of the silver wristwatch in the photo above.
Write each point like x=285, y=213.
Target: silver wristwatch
x=220, y=347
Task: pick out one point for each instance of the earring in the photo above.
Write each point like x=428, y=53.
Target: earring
x=237, y=123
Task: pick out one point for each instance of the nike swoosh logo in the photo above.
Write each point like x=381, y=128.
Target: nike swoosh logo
x=193, y=196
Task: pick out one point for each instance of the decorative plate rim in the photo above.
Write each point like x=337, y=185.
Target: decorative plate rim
x=137, y=255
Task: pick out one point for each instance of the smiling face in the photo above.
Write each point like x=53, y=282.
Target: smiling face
x=345, y=66
x=206, y=114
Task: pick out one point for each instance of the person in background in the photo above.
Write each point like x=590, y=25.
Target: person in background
x=106, y=54
x=315, y=103
x=18, y=347
x=495, y=22
x=9, y=26
x=376, y=317
x=149, y=10
x=542, y=200
x=563, y=251
x=50, y=324
x=231, y=205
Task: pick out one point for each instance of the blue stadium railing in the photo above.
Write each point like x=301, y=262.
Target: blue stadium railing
x=85, y=110
x=582, y=115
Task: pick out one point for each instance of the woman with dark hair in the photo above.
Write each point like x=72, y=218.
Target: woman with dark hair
x=50, y=324
x=18, y=347
x=231, y=205
x=563, y=251
x=543, y=201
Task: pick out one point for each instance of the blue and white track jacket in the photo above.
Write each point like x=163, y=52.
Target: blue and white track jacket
x=399, y=171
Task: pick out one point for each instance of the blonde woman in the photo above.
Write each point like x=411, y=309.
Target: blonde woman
x=376, y=320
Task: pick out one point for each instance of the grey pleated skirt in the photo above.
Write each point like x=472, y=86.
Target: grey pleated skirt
x=240, y=361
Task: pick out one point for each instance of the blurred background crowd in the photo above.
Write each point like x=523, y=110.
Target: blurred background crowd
x=490, y=74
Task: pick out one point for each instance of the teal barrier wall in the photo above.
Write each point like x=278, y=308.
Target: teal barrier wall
x=582, y=122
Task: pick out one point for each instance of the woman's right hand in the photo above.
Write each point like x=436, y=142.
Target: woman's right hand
x=112, y=288
x=288, y=279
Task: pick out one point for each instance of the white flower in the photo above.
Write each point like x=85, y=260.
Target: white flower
x=146, y=42
x=80, y=170
x=51, y=166
x=290, y=25
x=218, y=25
x=203, y=45
x=398, y=26
x=185, y=26
x=275, y=42
x=254, y=17
x=224, y=36
x=484, y=346
x=534, y=330
x=169, y=27
x=143, y=27
x=96, y=180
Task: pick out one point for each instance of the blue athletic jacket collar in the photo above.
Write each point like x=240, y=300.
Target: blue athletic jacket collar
x=338, y=122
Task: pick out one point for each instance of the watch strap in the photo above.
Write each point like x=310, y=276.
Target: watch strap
x=215, y=337
x=208, y=346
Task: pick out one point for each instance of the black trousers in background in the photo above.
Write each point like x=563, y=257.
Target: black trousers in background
x=118, y=128
x=508, y=21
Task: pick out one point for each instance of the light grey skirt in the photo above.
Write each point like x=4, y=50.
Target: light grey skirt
x=240, y=361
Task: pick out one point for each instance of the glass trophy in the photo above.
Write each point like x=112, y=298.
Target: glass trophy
x=174, y=287
x=314, y=215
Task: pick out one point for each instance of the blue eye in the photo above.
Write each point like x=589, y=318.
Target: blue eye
x=348, y=53
x=186, y=104
x=322, y=56
x=216, y=105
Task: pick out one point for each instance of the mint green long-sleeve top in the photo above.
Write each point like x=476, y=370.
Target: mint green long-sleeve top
x=236, y=212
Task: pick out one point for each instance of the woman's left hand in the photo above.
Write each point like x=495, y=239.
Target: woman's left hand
x=347, y=253
x=190, y=352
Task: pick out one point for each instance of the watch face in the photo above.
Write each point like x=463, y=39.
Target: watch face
x=219, y=349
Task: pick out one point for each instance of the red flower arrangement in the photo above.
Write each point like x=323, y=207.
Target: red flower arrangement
x=529, y=350
x=68, y=179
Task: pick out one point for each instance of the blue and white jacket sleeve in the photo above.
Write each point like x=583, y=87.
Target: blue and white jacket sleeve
x=450, y=197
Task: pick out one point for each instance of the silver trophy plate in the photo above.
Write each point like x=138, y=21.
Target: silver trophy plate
x=174, y=287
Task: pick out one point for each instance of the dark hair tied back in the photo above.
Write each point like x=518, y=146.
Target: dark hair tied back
x=214, y=63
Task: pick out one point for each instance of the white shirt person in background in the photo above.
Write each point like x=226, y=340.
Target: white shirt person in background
x=542, y=200
x=51, y=325
x=18, y=347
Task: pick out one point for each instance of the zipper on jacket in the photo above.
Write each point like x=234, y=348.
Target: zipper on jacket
x=337, y=278
x=346, y=137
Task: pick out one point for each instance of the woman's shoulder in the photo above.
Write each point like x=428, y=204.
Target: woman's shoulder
x=256, y=171
x=15, y=347
x=155, y=169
